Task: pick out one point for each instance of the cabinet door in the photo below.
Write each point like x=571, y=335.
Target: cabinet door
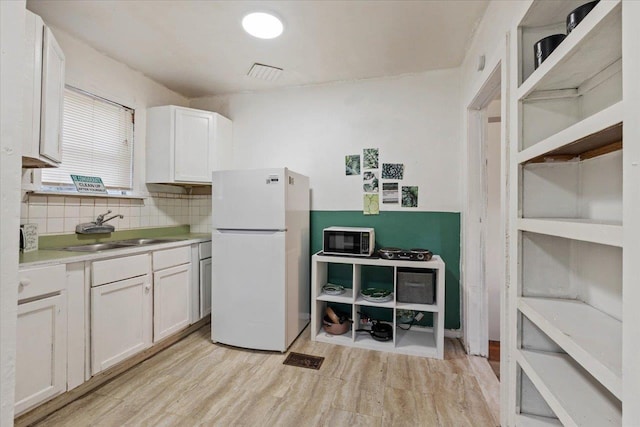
x=52, y=98
x=121, y=321
x=205, y=287
x=41, y=351
x=193, y=143
x=171, y=300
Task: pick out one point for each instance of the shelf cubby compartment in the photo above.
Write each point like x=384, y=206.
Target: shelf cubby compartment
x=554, y=267
x=418, y=341
x=586, y=334
x=533, y=408
x=572, y=393
x=318, y=330
x=580, y=200
x=589, y=49
x=596, y=135
x=580, y=79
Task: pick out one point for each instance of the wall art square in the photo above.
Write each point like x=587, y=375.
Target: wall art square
x=392, y=170
x=370, y=182
x=370, y=158
x=409, y=197
x=371, y=204
x=352, y=164
x=389, y=192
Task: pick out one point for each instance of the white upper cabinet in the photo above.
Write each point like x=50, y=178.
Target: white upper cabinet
x=44, y=96
x=185, y=145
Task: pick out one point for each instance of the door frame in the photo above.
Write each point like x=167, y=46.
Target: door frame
x=475, y=291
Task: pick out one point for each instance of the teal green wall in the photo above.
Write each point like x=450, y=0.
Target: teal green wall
x=437, y=231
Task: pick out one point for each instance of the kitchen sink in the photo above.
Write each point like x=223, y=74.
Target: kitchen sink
x=95, y=247
x=129, y=243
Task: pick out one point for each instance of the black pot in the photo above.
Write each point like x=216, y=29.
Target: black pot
x=543, y=48
x=381, y=331
x=578, y=14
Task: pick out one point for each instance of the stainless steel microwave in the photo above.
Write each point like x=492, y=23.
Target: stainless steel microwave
x=353, y=241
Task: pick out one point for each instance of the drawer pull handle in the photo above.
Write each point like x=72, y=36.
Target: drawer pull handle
x=25, y=282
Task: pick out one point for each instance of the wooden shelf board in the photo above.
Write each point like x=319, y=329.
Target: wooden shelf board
x=591, y=47
x=605, y=233
x=584, y=138
x=430, y=308
x=573, y=396
x=591, y=337
x=527, y=420
x=345, y=298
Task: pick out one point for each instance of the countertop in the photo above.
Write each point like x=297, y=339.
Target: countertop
x=51, y=256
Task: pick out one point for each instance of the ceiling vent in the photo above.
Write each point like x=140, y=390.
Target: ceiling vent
x=264, y=72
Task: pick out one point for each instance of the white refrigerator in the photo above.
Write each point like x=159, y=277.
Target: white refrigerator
x=260, y=258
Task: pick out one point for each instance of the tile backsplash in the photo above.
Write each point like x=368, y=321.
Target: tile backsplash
x=55, y=214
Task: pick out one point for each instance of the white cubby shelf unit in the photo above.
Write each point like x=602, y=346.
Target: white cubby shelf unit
x=567, y=159
x=417, y=341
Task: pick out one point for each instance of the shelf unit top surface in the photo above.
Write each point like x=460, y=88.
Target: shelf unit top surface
x=592, y=338
x=591, y=47
x=576, y=398
x=435, y=262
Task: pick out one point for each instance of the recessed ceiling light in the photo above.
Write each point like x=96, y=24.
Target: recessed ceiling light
x=262, y=25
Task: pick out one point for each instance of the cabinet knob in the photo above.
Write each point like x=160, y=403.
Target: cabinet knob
x=24, y=282
x=147, y=287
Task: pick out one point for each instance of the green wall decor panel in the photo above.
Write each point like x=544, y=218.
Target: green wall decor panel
x=437, y=231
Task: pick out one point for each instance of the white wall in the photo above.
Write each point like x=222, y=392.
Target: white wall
x=412, y=119
x=11, y=71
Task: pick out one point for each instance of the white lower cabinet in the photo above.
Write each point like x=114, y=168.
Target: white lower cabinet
x=41, y=351
x=172, y=291
x=121, y=321
x=171, y=303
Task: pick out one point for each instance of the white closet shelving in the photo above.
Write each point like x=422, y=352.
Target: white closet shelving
x=417, y=341
x=568, y=160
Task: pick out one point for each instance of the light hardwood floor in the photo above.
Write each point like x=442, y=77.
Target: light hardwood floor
x=197, y=383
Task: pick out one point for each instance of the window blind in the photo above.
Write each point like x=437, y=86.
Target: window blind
x=97, y=140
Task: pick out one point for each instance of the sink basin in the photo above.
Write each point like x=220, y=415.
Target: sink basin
x=145, y=241
x=95, y=247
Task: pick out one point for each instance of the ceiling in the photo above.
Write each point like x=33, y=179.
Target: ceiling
x=198, y=48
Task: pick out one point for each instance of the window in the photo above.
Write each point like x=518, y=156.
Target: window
x=97, y=140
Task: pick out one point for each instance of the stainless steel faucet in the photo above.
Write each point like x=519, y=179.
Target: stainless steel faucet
x=100, y=219
x=98, y=226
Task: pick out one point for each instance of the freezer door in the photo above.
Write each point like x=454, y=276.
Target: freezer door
x=249, y=199
x=248, y=289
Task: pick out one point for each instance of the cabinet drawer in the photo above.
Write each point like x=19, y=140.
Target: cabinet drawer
x=41, y=281
x=171, y=257
x=112, y=270
x=205, y=250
